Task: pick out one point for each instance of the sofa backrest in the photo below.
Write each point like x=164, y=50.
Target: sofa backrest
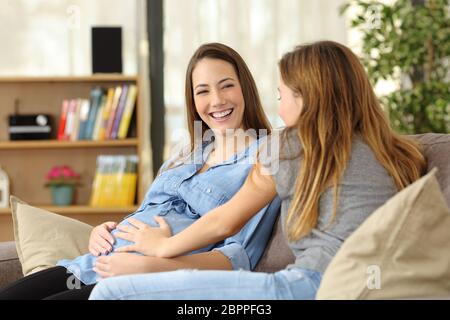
x=437, y=151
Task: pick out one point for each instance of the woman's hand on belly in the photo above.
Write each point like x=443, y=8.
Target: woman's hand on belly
x=101, y=240
x=120, y=264
x=146, y=239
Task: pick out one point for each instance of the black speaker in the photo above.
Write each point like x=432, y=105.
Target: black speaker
x=106, y=49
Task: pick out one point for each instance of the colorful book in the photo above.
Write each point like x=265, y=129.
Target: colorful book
x=99, y=119
x=63, y=119
x=128, y=112
x=70, y=119
x=75, y=121
x=112, y=114
x=119, y=113
x=127, y=192
x=115, y=181
x=99, y=181
x=84, y=115
x=106, y=112
x=95, y=100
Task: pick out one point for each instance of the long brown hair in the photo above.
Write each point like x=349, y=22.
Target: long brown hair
x=338, y=102
x=254, y=116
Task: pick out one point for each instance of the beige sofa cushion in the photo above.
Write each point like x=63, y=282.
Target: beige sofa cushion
x=400, y=251
x=42, y=238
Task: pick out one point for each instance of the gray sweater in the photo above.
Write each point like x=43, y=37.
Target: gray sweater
x=365, y=186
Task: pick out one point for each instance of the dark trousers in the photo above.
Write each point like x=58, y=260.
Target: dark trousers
x=50, y=284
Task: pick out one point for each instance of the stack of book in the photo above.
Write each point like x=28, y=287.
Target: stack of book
x=115, y=181
x=106, y=115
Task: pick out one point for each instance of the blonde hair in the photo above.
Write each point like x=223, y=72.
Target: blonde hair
x=338, y=102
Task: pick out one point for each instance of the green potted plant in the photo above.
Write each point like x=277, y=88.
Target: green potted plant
x=62, y=180
x=408, y=41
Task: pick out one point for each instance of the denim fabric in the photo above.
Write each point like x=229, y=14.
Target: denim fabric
x=288, y=284
x=181, y=196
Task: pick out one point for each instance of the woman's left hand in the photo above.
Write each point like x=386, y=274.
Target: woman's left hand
x=147, y=240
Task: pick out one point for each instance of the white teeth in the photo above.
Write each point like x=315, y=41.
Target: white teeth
x=221, y=114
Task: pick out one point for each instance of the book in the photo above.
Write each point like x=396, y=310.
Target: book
x=112, y=114
x=128, y=112
x=99, y=118
x=99, y=185
x=105, y=113
x=63, y=119
x=70, y=119
x=115, y=181
x=75, y=120
x=119, y=113
x=95, y=99
x=127, y=192
x=84, y=114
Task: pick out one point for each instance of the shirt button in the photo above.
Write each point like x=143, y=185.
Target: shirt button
x=208, y=190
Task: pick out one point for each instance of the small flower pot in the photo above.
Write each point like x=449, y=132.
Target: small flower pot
x=62, y=195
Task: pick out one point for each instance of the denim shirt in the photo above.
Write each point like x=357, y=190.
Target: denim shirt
x=181, y=196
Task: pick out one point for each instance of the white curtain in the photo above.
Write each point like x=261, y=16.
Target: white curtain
x=260, y=30
x=52, y=37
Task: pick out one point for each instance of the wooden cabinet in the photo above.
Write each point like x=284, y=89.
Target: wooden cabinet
x=27, y=162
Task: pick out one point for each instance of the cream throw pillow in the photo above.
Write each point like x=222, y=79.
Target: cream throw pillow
x=401, y=251
x=42, y=238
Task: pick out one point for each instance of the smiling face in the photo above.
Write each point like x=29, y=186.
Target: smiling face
x=218, y=95
x=291, y=104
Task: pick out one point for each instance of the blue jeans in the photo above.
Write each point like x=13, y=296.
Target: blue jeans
x=298, y=284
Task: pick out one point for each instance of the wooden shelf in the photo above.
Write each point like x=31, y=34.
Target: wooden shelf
x=87, y=78
x=27, y=162
x=68, y=210
x=57, y=144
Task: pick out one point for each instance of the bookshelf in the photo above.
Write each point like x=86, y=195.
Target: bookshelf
x=27, y=162
x=55, y=144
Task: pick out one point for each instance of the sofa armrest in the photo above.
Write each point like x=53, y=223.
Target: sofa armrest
x=10, y=268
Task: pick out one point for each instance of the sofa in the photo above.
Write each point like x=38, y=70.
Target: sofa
x=277, y=255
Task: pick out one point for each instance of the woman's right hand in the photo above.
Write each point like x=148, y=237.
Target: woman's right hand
x=101, y=239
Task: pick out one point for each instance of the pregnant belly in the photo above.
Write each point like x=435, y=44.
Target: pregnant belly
x=175, y=220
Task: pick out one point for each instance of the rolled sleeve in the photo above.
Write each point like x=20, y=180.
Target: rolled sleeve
x=237, y=256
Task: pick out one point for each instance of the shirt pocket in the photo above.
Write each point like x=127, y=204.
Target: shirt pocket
x=206, y=196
